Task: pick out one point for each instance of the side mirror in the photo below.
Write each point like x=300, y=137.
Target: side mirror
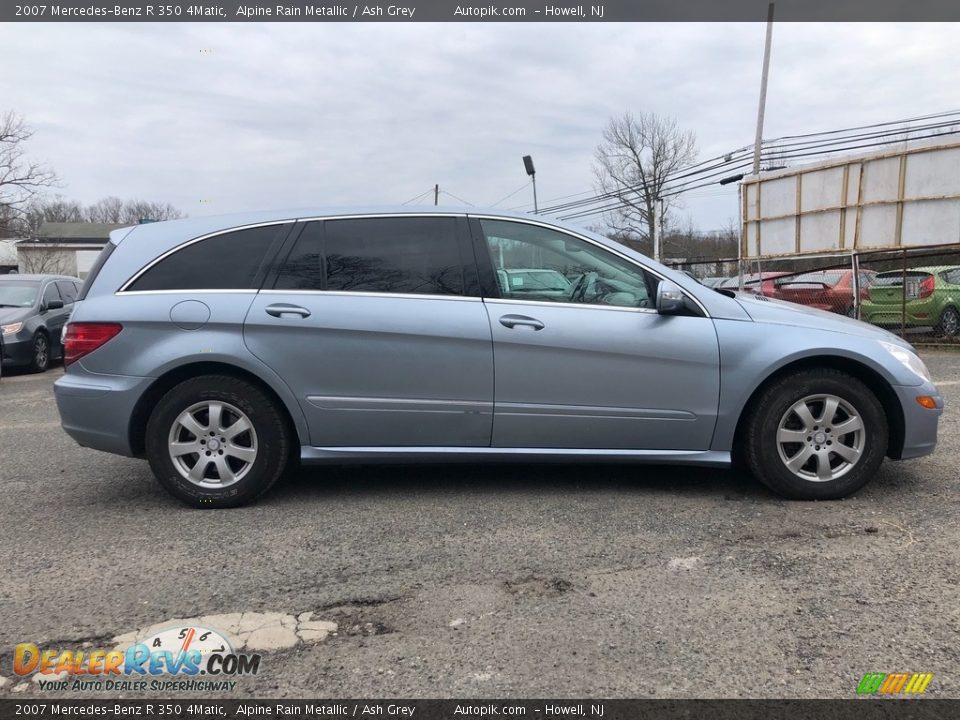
x=670, y=298
x=55, y=305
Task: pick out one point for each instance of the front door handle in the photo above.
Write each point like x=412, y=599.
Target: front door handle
x=286, y=310
x=512, y=321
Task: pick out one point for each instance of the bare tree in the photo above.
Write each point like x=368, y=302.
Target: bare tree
x=47, y=261
x=20, y=178
x=107, y=210
x=40, y=210
x=114, y=210
x=638, y=155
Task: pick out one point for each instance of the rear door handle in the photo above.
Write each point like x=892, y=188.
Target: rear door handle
x=286, y=310
x=512, y=321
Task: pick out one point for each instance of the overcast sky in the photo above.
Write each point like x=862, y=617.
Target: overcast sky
x=225, y=117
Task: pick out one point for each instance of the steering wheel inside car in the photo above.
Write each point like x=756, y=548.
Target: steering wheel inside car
x=586, y=283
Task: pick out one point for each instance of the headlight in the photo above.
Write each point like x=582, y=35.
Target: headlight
x=11, y=328
x=908, y=359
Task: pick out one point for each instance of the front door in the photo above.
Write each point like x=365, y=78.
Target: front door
x=369, y=324
x=582, y=359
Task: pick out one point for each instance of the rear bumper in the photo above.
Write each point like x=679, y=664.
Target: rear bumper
x=920, y=424
x=918, y=314
x=95, y=410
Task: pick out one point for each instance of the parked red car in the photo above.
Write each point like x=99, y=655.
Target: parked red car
x=823, y=289
x=758, y=283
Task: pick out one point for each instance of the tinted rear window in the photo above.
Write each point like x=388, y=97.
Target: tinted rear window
x=230, y=261
x=391, y=255
x=896, y=278
x=95, y=270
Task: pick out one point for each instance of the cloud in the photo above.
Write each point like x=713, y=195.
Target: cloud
x=224, y=117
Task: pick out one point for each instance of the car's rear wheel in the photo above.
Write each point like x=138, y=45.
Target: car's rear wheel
x=816, y=435
x=949, y=323
x=217, y=441
x=40, y=359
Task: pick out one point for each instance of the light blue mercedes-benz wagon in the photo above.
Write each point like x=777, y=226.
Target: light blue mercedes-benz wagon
x=226, y=349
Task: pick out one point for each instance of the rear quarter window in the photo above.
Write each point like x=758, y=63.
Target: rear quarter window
x=95, y=270
x=228, y=261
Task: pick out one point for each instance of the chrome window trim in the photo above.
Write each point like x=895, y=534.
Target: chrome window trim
x=572, y=233
x=190, y=291
x=363, y=293
x=181, y=246
x=578, y=306
x=394, y=214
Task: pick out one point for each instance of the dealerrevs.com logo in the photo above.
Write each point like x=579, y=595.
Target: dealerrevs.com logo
x=894, y=683
x=172, y=659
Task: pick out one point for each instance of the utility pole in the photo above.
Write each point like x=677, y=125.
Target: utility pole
x=436, y=194
x=660, y=227
x=763, y=91
x=657, y=227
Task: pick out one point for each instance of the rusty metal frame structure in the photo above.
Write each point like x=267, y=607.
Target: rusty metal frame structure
x=844, y=206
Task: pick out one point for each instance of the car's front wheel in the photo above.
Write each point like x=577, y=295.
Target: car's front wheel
x=40, y=360
x=816, y=435
x=217, y=441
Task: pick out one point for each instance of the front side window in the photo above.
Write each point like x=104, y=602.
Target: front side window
x=50, y=294
x=229, y=261
x=534, y=263
x=409, y=255
x=68, y=291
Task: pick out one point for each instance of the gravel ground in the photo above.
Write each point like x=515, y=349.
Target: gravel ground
x=497, y=581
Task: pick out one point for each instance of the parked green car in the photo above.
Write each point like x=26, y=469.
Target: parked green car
x=932, y=299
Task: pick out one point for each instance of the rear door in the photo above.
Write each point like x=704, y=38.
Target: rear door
x=377, y=326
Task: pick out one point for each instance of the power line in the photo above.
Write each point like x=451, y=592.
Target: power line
x=589, y=206
x=459, y=199
x=413, y=199
x=507, y=197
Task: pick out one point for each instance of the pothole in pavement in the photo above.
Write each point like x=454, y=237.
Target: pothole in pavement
x=534, y=587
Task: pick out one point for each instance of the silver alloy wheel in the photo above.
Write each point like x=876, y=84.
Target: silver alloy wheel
x=950, y=322
x=820, y=438
x=41, y=351
x=212, y=444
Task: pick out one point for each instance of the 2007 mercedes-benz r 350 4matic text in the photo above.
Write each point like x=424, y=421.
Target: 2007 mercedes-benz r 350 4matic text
x=223, y=349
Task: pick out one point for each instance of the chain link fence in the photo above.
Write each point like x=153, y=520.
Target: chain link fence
x=914, y=292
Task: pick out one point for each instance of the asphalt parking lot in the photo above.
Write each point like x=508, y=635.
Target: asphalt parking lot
x=496, y=581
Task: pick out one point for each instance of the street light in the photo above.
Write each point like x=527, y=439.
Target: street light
x=528, y=166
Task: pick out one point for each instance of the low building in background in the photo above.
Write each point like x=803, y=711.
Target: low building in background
x=64, y=248
x=8, y=255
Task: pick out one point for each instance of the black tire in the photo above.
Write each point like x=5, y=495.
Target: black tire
x=949, y=323
x=40, y=360
x=763, y=449
x=270, y=439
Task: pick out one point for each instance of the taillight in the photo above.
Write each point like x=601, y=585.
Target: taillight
x=926, y=287
x=82, y=338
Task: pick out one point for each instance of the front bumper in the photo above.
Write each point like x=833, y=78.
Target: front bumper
x=17, y=350
x=920, y=423
x=95, y=410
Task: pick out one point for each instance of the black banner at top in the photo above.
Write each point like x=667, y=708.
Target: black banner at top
x=498, y=11
x=485, y=709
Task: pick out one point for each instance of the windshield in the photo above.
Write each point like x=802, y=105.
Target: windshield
x=537, y=280
x=828, y=278
x=896, y=278
x=17, y=295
